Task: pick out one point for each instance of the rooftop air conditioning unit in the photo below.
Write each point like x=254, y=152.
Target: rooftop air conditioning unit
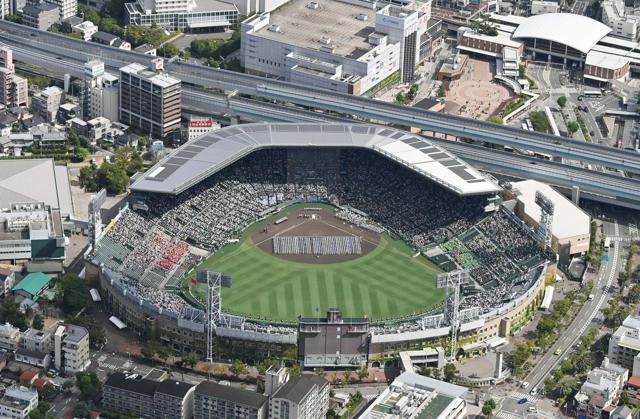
x=325, y=40
x=274, y=28
x=313, y=5
x=363, y=17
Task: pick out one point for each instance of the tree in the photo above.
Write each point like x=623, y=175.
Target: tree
x=566, y=387
x=487, y=410
x=89, y=385
x=239, y=368
x=74, y=293
x=88, y=178
x=562, y=101
x=90, y=15
x=295, y=370
x=38, y=322
x=82, y=153
x=169, y=50
x=573, y=126
x=81, y=410
x=13, y=18
x=623, y=279
x=97, y=335
x=496, y=120
x=400, y=98
x=363, y=373
x=10, y=313
x=113, y=178
x=450, y=371
x=190, y=360
x=149, y=349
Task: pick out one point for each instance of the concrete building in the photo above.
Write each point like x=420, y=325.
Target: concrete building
x=37, y=359
x=571, y=227
x=13, y=88
x=411, y=361
x=40, y=16
x=415, y=396
x=71, y=348
x=145, y=398
x=9, y=337
x=32, y=287
x=303, y=397
x=150, y=101
x=101, y=93
x=544, y=6
x=18, y=402
x=602, y=67
x=624, y=344
x=183, y=15
x=67, y=8
x=199, y=126
x=212, y=401
x=36, y=340
x=47, y=102
x=622, y=25
x=86, y=29
x=333, y=341
x=600, y=390
x=111, y=40
x=7, y=281
x=347, y=47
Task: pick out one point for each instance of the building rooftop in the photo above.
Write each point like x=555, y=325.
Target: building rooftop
x=576, y=31
x=31, y=354
x=199, y=159
x=104, y=37
x=568, y=219
x=297, y=388
x=609, y=61
x=344, y=24
x=134, y=385
x=35, y=180
x=159, y=79
x=33, y=283
x=235, y=395
x=75, y=333
x=174, y=388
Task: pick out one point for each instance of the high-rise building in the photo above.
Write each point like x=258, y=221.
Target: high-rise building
x=71, y=348
x=150, y=101
x=67, y=8
x=47, y=102
x=303, y=397
x=622, y=24
x=13, y=88
x=101, y=92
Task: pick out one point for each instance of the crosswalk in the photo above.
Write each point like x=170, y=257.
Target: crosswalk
x=508, y=415
x=633, y=229
x=517, y=395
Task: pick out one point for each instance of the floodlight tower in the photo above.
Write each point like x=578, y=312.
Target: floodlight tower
x=215, y=282
x=546, y=218
x=452, y=281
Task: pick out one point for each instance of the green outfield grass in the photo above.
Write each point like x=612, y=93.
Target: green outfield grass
x=384, y=284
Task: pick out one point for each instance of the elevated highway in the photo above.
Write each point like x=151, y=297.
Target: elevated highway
x=61, y=48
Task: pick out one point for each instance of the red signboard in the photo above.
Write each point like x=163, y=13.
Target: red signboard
x=204, y=123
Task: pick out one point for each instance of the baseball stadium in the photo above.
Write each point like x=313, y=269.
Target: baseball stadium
x=306, y=217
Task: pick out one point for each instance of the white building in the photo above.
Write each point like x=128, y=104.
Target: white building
x=18, y=401
x=544, y=6
x=71, y=348
x=101, y=96
x=624, y=344
x=412, y=396
x=426, y=357
x=571, y=227
x=86, y=29
x=198, y=126
x=343, y=46
x=183, y=15
x=9, y=337
x=622, y=24
x=7, y=280
x=303, y=397
x=68, y=8
x=601, y=388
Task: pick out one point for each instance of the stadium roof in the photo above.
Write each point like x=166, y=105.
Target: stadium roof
x=576, y=31
x=199, y=159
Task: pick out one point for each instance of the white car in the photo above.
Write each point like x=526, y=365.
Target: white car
x=534, y=391
x=524, y=384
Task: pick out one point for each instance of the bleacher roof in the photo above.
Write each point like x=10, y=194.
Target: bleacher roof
x=199, y=159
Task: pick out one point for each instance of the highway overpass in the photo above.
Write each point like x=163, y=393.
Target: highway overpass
x=62, y=48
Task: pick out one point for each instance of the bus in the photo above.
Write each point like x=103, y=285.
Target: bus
x=592, y=93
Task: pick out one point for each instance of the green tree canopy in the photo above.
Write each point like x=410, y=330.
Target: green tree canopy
x=74, y=293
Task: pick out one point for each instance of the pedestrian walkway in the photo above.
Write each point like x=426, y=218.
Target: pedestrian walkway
x=508, y=415
x=517, y=395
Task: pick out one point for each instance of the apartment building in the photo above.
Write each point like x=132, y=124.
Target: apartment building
x=13, y=88
x=213, y=401
x=624, y=344
x=303, y=397
x=71, y=348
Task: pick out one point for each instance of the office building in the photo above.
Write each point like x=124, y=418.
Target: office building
x=199, y=126
x=183, y=15
x=347, y=47
x=18, y=402
x=215, y=401
x=47, y=102
x=150, y=101
x=624, y=344
x=539, y=7
x=101, y=92
x=303, y=397
x=71, y=348
x=622, y=24
x=415, y=396
x=333, y=341
x=601, y=389
x=40, y=16
x=145, y=398
x=13, y=88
